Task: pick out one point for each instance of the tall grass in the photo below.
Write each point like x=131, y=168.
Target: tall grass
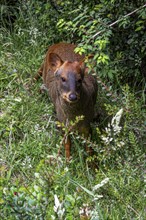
x=36, y=182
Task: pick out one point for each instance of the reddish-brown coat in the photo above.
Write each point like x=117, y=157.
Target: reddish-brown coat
x=72, y=91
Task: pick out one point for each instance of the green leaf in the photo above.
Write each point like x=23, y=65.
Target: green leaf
x=83, y=188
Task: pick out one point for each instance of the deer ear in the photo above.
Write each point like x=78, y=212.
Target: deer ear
x=54, y=61
x=84, y=68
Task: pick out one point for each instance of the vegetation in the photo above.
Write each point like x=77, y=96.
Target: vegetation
x=36, y=181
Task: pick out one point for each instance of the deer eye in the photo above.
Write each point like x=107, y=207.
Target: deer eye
x=63, y=79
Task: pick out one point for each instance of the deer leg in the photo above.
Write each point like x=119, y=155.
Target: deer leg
x=67, y=145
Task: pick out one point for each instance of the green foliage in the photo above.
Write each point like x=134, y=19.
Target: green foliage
x=106, y=32
x=116, y=41
x=36, y=181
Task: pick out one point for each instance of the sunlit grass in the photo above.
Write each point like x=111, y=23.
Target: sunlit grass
x=33, y=174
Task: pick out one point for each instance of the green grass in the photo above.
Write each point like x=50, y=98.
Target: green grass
x=32, y=171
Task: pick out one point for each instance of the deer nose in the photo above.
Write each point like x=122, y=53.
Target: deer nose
x=72, y=97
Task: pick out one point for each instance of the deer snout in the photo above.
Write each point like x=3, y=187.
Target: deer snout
x=72, y=97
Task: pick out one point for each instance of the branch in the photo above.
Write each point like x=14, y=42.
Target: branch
x=115, y=22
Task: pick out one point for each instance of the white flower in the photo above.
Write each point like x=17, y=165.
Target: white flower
x=37, y=175
x=5, y=190
x=58, y=207
x=36, y=188
x=57, y=203
x=66, y=169
x=116, y=121
x=103, y=182
x=18, y=99
x=97, y=197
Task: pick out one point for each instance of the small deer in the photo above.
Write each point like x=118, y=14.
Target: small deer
x=72, y=90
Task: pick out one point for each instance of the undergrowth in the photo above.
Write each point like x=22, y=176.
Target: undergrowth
x=36, y=181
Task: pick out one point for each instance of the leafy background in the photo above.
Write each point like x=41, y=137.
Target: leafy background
x=36, y=182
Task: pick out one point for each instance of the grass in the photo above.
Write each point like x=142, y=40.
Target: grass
x=36, y=182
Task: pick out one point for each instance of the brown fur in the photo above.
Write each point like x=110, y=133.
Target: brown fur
x=72, y=91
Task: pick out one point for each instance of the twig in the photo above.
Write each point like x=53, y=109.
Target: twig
x=115, y=22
